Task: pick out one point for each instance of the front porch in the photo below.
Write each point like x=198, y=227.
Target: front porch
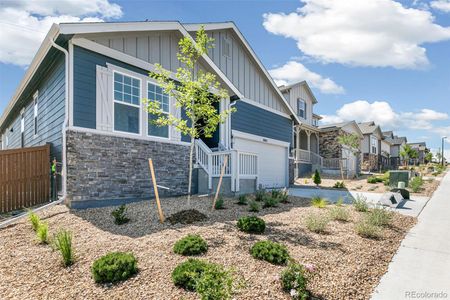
x=306, y=145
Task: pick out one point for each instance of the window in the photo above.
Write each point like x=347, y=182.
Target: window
x=155, y=93
x=22, y=130
x=35, y=113
x=127, y=94
x=315, y=122
x=373, y=145
x=301, y=108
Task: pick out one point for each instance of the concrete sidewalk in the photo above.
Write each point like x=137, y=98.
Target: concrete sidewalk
x=421, y=266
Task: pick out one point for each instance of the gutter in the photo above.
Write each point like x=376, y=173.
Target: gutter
x=66, y=119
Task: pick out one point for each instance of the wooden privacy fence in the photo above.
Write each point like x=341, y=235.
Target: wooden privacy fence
x=24, y=177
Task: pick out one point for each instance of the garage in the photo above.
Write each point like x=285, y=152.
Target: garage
x=272, y=158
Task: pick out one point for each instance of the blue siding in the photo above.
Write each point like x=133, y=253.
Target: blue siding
x=49, y=81
x=254, y=120
x=84, y=84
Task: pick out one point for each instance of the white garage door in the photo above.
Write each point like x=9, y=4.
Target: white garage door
x=272, y=161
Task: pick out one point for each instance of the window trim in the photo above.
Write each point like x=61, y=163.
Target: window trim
x=375, y=146
x=129, y=104
x=35, y=114
x=300, y=100
x=169, y=129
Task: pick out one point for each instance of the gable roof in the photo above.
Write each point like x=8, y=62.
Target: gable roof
x=93, y=27
x=335, y=126
x=284, y=88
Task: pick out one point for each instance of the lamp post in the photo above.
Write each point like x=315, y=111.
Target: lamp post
x=443, y=138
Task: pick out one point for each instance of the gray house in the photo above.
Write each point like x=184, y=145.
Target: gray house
x=396, y=143
x=82, y=93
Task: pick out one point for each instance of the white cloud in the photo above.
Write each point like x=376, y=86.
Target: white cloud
x=294, y=71
x=384, y=115
x=377, y=33
x=25, y=23
x=443, y=5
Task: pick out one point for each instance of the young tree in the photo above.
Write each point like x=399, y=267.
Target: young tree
x=316, y=178
x=405, y=153
x=194, y=91
x=352, y=142
x=414, y=155
x=429, y=157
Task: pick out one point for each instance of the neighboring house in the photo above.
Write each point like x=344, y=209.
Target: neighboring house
x=422, y=150
x=372, y=157
x=334, y=153
x=305, y=148
x=396, y=143
x=82, y=94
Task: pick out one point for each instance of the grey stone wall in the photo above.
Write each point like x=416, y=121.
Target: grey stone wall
x=328, y=144
x=291, y=171
x=102, y=167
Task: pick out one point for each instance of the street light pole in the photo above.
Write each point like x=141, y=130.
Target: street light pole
x=443, y=138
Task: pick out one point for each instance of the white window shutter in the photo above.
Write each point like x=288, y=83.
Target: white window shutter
x=104, y=86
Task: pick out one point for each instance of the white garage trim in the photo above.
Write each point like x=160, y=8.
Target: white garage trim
x=258, y=138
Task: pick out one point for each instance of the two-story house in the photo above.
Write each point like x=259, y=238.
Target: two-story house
x=421, y=149
x=396, y=143
x=82, y=94
x=371, y=156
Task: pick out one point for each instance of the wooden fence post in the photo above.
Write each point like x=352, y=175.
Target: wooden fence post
x=225, y=160
x=155, y=188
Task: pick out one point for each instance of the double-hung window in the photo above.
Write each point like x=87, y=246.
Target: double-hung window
x=301, y=108
x=156, y=93
x=127, y=107
x=373, y=145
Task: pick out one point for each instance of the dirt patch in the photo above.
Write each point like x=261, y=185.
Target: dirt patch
x=187, y=217
x=347, y=265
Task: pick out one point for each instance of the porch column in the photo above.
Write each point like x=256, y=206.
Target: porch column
x=317, y=142
x=309, y=140
x=297, y=132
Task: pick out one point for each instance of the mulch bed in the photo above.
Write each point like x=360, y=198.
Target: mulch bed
x=347, y=265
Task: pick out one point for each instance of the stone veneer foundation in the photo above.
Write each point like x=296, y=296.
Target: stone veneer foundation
x=107, y=170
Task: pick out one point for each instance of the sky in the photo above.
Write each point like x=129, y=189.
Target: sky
x=380, y=60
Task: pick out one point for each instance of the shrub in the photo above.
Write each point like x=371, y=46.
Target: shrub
x=340, y=201
x=34, y=220
x=215, y=283
x=284, y=196
x=379, y=216
x=318, y=202
x=63, y=243
x=276, y=193
x=367, y=230
x=269, y=201
x=251, y=224
x=42, y=233
x=119, y=215
x=254, y=206
x=114, y=267
x=294, y=281
x=316, y=178
x=339, y=214
x=272, y=252
x=219, y=203
x=259, y=195
x=186, y=274
x=316, y=223
x=242, y=200
x=339, y=185
x=374, y=179
x=190, y=245
x=416, y=184
x=360, y=203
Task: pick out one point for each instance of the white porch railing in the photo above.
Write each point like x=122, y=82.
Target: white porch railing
x=301, y=155
x=316, y=159
x=239, y=164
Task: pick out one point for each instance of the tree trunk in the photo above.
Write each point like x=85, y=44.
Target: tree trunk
x=191, y=158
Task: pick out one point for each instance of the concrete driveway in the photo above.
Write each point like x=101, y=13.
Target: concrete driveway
x=411, y=207
x=421, y=267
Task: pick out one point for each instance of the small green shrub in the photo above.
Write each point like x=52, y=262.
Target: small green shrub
x=219, y=203
x=34, y=220
x=374, y=179
x=360, y=203
x=186, y=274
x=316, y=178
x=114, y=267
x=283, y=196
x=63, y=243
x=272, y=252
x=367, y=230
x=340, y=201
x=276, y=193
x=339, y=185
x=339, y=213
x=190, y=245
x=270, y=201
x=119, y=215
x=254, y=206
x=215, y=283
x=259, y=195
x=416, y=184
x=318, y=202
x=316, y=223
x=42, y=233
x=251, y=224
x=294, y=281
x=379, y=216
x=242, y=200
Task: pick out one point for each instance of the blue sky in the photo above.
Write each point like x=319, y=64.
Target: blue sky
x=360, y=74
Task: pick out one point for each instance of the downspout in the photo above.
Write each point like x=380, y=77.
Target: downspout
x=66, y=120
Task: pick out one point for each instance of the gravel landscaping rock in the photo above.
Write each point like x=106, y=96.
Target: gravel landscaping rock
x=347, y=265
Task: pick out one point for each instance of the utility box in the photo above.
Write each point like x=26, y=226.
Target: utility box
x=398, y=175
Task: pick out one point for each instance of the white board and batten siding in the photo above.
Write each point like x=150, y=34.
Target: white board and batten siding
x=299, y=91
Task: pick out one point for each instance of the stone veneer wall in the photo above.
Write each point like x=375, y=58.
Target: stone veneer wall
x=103, y=167
x=291, y=171
x=370, y=162
x=328, y=144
